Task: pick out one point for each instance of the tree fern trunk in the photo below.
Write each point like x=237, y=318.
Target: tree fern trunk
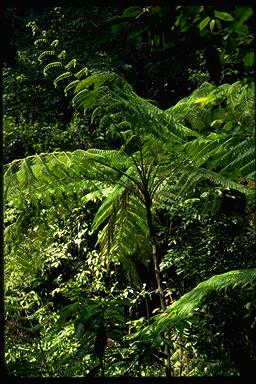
x=154, y=250
x=157, y=274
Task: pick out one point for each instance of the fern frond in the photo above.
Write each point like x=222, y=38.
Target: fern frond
x=71, y=64
x=202, y=149
x=239, y=162
x=84, y=98
x=191, y=176
x=42, y=174
x=106, y=208
x=45, y=54
x=184, y=308
x=97, y=194
x=81, y=73
x=248, y=171
x=62, y=77
x=70, y=86
x=50, y=66
x=62, y=55
x=233, y=152
x=95, y=81
x=63, y=172
x=96, y=114
x=125, y=231
x=40, y=41
x=54, y=43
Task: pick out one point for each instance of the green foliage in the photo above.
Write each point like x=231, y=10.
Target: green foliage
x=201, y=321
x=188, y=303
x=107, y=213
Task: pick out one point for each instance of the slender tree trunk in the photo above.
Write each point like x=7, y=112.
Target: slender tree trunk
x=157, y=274
x=154, y=251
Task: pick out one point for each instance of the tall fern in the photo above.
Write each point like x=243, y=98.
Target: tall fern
x=157, y=146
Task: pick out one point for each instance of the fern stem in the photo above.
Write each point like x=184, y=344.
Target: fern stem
x=154, y=249
x=121, y=173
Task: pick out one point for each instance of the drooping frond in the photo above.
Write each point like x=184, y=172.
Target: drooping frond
x=45, y=53
x=81, y=73
x=51, y=173
x=122, y=228
x=106, y=208
x=71, y=64
x=70, y=86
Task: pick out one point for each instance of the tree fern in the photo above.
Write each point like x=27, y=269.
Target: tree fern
x=147, y=158
x=156, y=146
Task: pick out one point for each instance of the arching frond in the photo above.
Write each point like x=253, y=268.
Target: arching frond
x=70, y=86
x=184, y=308
x=113, y=103
x=71, y=64
x=46, y=173
x=51, y=65
x=191, y=176
x=45, y=54
x=82, y=72
x=40, y=41
x=63, y=76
